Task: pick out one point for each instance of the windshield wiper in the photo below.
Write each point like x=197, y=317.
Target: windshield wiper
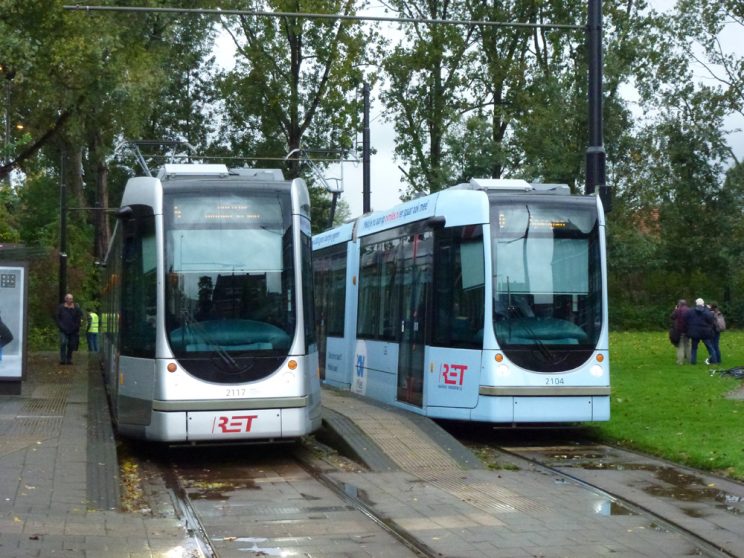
x=197, y=329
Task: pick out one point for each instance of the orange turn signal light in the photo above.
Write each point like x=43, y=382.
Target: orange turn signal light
x=292, y=364
x=172, y=367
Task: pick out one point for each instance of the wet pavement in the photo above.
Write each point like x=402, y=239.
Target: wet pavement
x=528, y=511
x=710, y=506
x=61, y=491
x=60, y=484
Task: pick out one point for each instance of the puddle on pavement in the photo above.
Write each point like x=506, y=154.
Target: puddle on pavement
x=609, y=508
x=695, y=513
x=215, y=484
x=677, y=485
x=259, y=550
x=577, y=454
x=691, y=488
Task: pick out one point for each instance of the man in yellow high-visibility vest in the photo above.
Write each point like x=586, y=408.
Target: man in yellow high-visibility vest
x=92, y=332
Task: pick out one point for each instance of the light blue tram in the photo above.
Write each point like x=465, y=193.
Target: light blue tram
x=486, y=301
x=207, y=319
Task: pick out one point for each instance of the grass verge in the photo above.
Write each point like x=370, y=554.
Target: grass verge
x=682, y=413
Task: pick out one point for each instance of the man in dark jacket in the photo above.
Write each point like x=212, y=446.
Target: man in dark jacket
x=700, y=327
x=69, y=317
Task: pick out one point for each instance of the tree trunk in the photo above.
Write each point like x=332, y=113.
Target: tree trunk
x=103, y=229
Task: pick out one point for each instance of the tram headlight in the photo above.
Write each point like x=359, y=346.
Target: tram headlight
x=597, y=371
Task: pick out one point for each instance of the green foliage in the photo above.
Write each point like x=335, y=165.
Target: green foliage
x=295, y=83
x=465, y=101
x=681, y=413
x=428, y=87
x=43, y=338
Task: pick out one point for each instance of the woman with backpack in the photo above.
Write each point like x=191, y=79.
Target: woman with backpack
x=678, y=332
x=720, y=325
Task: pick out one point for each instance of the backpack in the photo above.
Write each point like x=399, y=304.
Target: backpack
x=720, y=322
x=674, y=336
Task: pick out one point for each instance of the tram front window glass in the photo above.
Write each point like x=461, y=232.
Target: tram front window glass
x=547, y=280
x=229, y=275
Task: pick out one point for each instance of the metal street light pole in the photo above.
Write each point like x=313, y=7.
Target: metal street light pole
x=595, y=153
x=9, y=75
x=62, y=229
x=366, y=186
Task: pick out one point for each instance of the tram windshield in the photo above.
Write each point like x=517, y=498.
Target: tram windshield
x=229, y=275
x=547, y=281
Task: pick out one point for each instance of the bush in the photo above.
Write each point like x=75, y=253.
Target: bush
x=43, y=338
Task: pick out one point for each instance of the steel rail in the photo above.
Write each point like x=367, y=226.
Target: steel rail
x=710, y=548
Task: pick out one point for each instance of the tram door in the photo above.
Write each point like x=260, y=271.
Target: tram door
x=416, y=278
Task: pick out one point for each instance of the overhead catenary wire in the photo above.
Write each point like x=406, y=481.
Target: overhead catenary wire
x=314, y=15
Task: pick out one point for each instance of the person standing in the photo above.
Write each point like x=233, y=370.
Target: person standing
x=92, y=332
x=680, y=325
x=700, y=327
x=720, y=325
x=69, y=318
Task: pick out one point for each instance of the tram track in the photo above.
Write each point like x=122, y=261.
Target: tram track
x=350, y=494
x=201, y=542
x=296, y=500
x=224, y=513
x=674, y=498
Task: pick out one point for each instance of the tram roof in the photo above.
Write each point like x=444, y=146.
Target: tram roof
x=172, y=170
x=511, y=186
x=188, y=169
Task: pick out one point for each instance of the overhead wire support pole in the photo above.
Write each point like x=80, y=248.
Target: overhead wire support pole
x=595, y=153
x=366, y=176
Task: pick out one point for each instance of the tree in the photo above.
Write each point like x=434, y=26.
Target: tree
x=427, y=93
x=295, y=84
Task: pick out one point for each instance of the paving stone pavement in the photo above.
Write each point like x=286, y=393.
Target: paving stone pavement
x=57, y=497
x=59, y=494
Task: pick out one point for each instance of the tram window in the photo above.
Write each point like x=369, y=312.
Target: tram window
x=330, y=291
x=307, y=289
x=139, y=284
x=459, y=284
x=379, y=291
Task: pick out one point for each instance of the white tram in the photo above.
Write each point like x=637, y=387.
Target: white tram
x=486, y=301
x=207, y=318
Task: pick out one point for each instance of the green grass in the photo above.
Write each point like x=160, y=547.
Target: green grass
x=680, y=413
